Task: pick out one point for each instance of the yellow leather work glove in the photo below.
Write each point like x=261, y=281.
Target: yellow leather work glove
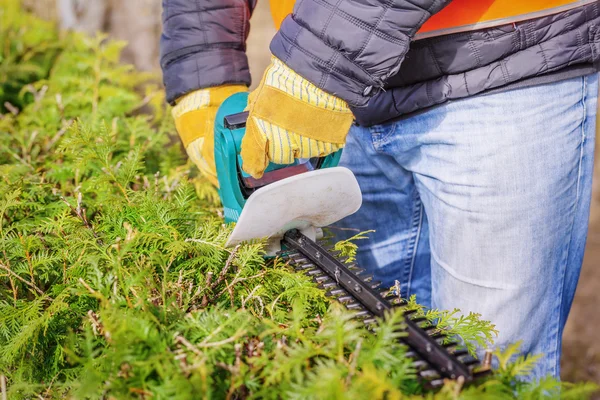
x=194, y=116
x=290, y=118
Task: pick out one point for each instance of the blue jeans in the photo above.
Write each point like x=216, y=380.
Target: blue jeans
x=482, y=205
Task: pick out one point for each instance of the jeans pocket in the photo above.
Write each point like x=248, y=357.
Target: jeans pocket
x=380, y=134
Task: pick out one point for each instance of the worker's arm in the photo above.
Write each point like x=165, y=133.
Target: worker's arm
x=349, y=48
x=329, y=56
x=203, y=58
x=203, y=44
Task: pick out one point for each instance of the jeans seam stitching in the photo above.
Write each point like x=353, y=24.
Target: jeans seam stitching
x=417, y=236
x=411, y=253
x=556, y=350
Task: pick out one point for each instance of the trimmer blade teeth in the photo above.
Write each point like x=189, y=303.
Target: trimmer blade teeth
x=345, y=299
x=337, y=292
x=429, y=374
x=470, y=361
x=375, y=285
x=354, y=306
x=436, y=335
x=322, y=279
x=362, y=314
x=304, y=267
x=436, y=383
x=418, y=320
x=419, y=364
x=315, y=272
x=460, y=353
x=299, y=259
x=337, y=275
x=449, y=345
x=410, y=354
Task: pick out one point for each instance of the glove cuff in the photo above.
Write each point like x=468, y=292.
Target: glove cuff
x=204, y=98
x=282, y=77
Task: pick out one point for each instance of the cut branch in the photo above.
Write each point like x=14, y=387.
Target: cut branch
x=30, y=284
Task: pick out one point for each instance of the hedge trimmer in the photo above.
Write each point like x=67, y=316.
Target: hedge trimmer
x=289, y=205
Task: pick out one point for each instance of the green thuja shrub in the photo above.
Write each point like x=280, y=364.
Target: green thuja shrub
x=114, y=279
x=28, y=47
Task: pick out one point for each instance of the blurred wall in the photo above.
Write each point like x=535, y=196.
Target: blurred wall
x=139, y=23
x=136, y=21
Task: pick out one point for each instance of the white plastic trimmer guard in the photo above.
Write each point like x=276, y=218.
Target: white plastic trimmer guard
x=306, y=202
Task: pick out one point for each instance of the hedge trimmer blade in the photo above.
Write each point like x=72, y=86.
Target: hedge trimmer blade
x=435, y=356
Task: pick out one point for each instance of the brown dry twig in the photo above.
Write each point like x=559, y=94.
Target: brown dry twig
x=80, y=212
x=3, y=387
x=190, y=346
x=225, y=268
x=236, y=280
x=30, y=284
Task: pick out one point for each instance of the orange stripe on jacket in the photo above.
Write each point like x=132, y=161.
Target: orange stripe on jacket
x=464, y=15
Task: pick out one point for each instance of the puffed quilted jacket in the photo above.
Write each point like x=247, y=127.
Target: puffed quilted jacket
x=363, y=51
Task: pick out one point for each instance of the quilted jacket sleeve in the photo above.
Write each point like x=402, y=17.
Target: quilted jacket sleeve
x=203, y=44
x=350, y=48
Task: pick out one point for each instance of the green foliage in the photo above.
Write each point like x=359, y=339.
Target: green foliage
x=348, y=248
x=28, y=48
x=114, y=282
x=470, y=328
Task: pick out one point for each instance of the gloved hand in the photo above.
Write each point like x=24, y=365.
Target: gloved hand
x=290, y=118
x=194, y=116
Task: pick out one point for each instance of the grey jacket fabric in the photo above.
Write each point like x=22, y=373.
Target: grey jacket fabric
x=452, y=67
x=203, y=44
x=363, y=52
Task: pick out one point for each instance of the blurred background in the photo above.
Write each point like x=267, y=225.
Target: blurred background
x=138, y=22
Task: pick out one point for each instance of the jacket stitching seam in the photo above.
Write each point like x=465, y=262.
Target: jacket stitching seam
x=475, y=50
x=372, y=81
x=387, y=6
x=435, y=60
x=515, y=40
x=428, y=93
x=331, y=14
x=361, y=24
x=505, y=73
x=201, y=21
x=202, y=10
x=580, y=41
x=178, y=54
x=543, y=53
x=326, y=76
x=593, y=42
x=324, y=63
x=289, y=50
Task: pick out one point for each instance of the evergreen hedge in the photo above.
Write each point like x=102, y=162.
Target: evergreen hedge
x=114, y=282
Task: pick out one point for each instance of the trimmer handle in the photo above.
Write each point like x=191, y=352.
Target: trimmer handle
x=235, y=186
x=236, y=121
